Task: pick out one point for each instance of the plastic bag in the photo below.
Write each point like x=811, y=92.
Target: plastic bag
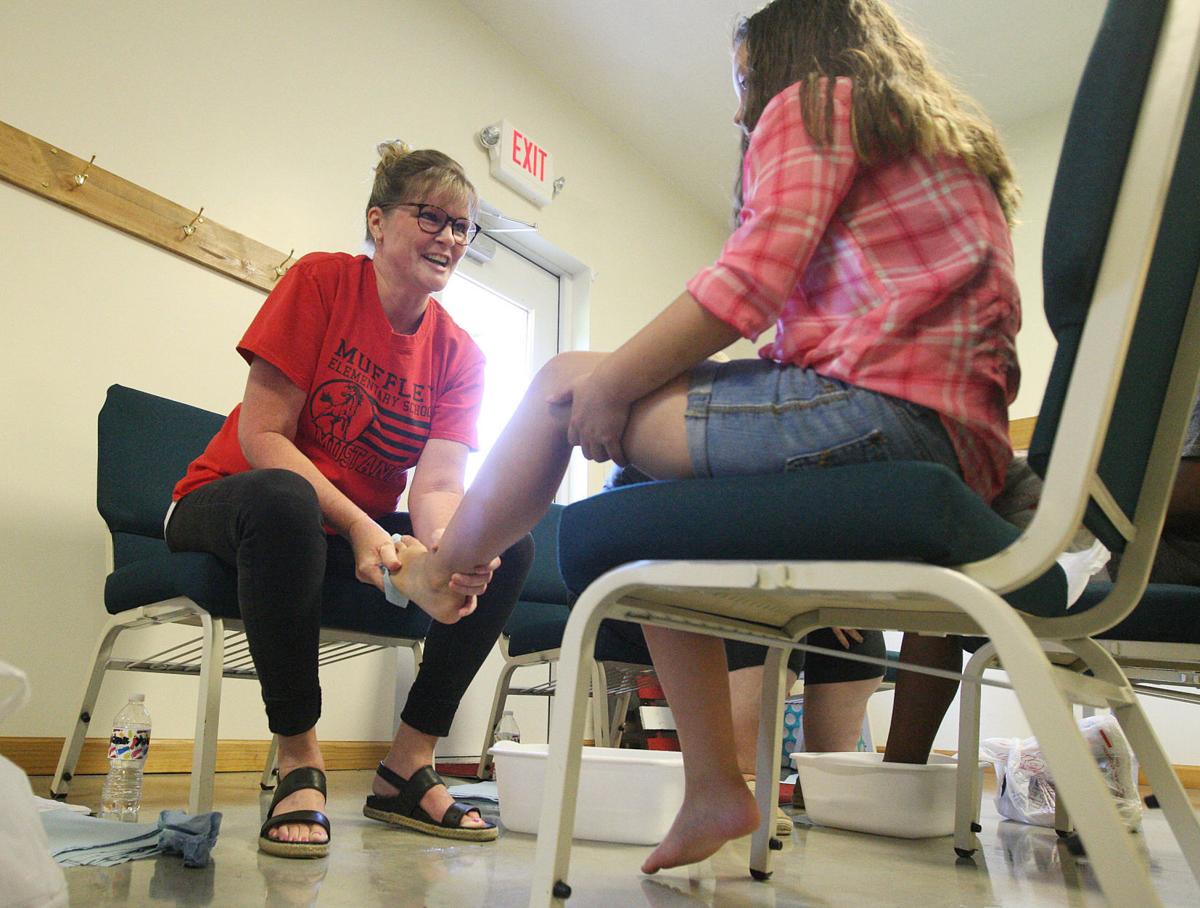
x=28, y=875
x=1025, y=791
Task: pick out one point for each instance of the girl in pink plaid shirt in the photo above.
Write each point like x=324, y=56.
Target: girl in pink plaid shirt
x=873, y=233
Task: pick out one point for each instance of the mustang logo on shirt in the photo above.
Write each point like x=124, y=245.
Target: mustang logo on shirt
x=341, y=409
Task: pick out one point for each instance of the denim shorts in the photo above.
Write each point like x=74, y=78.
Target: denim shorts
x=749, y=417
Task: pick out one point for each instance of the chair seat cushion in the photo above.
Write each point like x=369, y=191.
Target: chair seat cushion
x=538, y=626
x=1167, y=613
x=888, y=511
x=347, y=603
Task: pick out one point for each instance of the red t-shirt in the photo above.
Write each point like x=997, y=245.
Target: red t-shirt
x=373, y=397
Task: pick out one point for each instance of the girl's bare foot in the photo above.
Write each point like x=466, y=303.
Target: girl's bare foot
x=417, y=580
x=706, y=821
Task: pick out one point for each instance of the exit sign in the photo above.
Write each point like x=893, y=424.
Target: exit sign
x=522, y=163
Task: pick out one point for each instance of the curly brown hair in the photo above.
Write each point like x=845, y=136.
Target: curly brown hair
x=902, y=104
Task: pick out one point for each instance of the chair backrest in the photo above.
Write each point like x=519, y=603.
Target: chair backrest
x=145, y=445
x=1091, y=170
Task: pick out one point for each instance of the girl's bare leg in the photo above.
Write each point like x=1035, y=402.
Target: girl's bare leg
x=518, y=480
x=511, y=493
x=717, y=805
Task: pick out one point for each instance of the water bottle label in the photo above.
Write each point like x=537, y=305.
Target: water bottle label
x=129, y=744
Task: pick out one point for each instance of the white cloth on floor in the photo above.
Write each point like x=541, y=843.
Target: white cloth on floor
x=77, y=841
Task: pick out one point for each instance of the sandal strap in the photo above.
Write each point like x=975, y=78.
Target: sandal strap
x=298, y=780
x=410, y=791
x=454, y=814
x=313, y=817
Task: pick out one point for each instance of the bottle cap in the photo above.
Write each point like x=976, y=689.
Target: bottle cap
x=139, y=698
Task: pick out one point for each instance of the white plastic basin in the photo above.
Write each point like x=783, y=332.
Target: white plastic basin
x=858, y=791
x=628, y=796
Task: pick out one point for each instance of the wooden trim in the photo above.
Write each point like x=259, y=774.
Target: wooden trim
x=39, y=756
x=1020, y=432
x=52, y=173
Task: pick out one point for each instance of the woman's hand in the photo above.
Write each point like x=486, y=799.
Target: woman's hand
x=598, y=418
x=471, y=583
x=845, y=634
x=372, y=546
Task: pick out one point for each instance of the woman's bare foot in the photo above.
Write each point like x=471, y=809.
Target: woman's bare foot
x=706, y=821
x=417, y=580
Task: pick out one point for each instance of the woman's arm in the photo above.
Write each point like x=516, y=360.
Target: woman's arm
x=267, y=430
x=434, y=496
x=437, y=487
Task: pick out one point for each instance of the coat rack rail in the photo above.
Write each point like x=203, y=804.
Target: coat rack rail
x=28, y=162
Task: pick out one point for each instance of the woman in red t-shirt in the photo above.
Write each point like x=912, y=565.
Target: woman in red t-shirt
x=873, y=235
x=357, y=377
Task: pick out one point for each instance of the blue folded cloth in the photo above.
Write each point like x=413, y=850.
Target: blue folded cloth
x=76, y=840
x=191, y=836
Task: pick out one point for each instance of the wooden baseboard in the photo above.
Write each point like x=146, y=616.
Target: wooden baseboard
x=39, y=756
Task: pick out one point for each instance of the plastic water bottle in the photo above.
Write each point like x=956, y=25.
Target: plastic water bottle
x=121, y=796
x=506, y=728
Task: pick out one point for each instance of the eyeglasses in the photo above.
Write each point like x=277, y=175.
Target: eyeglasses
x=432, y=219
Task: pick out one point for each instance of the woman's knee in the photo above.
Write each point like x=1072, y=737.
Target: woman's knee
x=281, y=500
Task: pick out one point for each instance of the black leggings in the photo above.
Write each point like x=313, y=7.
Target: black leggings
x=267, y=525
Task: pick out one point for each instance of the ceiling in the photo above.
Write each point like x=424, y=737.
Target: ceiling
x=658, y=71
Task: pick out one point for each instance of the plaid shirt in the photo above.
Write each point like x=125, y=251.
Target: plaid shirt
x=896, y=277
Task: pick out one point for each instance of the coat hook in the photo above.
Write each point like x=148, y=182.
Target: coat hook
x=81, y=178
x=281, y=268
x=190, y=228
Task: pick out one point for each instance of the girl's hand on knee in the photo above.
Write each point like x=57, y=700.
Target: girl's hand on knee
x=468, y=583
x=598, y=419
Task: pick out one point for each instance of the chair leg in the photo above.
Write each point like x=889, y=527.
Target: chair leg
x=1172, y=797
x=557, y=821
x=1117, y=864
x=267, y=782
x=766, y=771
x=968, y=796
x=620, y=711
x=208, y=713
x=73, y=744
x=503, y=684
x=600, y=720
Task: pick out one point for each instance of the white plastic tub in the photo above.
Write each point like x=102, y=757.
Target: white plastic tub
x=628, y=796
x=858, y=791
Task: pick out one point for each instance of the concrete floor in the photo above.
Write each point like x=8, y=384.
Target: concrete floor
x=371, y=864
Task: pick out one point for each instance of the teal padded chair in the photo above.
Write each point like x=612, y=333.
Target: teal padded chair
x=145, y=444
x=906, y=546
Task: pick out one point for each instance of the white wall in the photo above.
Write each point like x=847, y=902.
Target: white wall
x=267, y=114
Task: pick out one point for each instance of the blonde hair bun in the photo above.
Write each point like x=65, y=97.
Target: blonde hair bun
x=392, y=150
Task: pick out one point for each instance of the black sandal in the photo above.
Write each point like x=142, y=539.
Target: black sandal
x=296, y=780
x=404, y=808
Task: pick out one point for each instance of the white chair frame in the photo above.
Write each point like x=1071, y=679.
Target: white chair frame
x=777, y=602
x=606, y=723
x=218, y=651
